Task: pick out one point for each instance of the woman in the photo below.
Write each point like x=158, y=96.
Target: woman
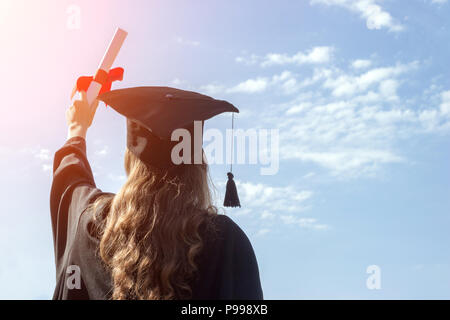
x=159, y=237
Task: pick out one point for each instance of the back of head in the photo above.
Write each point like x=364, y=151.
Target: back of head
x=149, y=237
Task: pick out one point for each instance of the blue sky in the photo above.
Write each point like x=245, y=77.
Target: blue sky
x=359, y=91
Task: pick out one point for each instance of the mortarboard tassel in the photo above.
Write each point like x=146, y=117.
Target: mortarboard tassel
x=231, y=195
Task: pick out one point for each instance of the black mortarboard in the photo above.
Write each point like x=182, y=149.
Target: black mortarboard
x=153, y=113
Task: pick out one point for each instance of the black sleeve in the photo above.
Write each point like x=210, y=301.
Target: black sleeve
x=238, y=274
x=73, y=188
x=247, y=283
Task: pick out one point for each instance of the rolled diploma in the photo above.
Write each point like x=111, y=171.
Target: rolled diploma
x=107, y=62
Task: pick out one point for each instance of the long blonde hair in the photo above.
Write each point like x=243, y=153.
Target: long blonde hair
x=149, y=231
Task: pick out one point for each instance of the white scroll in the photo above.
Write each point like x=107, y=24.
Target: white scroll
x=106, y=62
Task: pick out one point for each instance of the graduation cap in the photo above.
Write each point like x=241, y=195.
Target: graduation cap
x=154, y=113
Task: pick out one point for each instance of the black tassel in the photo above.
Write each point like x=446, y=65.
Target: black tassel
x=231, y=195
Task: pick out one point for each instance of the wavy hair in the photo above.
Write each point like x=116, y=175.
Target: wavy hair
x=149, y=231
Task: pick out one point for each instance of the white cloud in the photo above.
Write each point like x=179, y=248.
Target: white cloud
x=445, y=105
x=249, y=60
x=309, y=175
x=354, y=122
x=361, y=64
x=267, y=215
x=103, y=151
x=186, y=42
x=316, y=55
x=308, y=223
x=275, y=203
x=388, y=88
x=347, y=161
x=251, y=86
x=347, y=137
x=346, y=84
x=178, y=82
x=439, y=1
x=42, y=154
x=318, y=75
x=350, y=121
x=376, y=17
x=212, y=89
x=298, y=108
x=273, y=199
x=262, y=232
x=285, y=82
x=117, y=177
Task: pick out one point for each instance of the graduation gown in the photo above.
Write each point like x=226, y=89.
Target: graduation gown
x=227, y=265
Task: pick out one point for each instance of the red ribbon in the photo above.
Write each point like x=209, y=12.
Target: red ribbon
x=105, y=79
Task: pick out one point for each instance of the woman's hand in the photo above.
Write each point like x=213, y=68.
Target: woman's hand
x=79, y=116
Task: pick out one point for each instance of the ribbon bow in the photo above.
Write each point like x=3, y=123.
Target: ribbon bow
x=102, y=77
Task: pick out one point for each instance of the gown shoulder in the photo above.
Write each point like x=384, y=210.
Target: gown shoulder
x=228, y=266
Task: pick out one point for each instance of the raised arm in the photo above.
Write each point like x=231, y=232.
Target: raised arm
x=73, y=185
x=79, y=116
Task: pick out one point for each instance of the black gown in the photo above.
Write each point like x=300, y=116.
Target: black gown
x=227, y=265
